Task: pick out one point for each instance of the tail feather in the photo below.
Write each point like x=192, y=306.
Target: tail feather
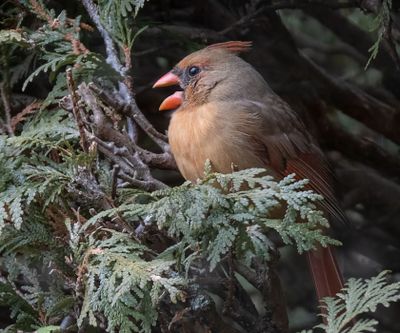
x=327, y=278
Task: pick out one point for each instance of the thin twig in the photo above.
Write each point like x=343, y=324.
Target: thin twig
x=129, y=166
x=112, y=54
x=228, y=304
x=131, y=109
x=3, y=127
x=146, y=185
x=305, y=41
x=357, y=38
x=368, y=152
x=358, y=104
x=114, y=183
x=125, y=88
x=132, y=130
x=390, y=45
x=288, y=4
x=76, y=111
x=7, y=108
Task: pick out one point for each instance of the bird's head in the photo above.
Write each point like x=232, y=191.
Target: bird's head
x=205, y=75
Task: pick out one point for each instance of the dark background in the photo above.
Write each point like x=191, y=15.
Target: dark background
x=313, y=54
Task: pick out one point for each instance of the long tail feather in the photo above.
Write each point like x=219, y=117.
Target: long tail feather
x=326, y=274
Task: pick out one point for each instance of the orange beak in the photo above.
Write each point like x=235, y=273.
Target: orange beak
x=169, y=79
x=175, y=100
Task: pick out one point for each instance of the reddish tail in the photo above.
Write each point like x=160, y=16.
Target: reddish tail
x=326, y=274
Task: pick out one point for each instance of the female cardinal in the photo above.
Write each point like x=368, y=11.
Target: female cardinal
x=228, y=114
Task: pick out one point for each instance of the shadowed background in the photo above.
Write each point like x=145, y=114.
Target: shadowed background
x=313, y=54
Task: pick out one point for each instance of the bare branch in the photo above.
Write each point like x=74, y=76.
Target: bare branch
x=305, y=41
x=112, y=54
x=133, y=170
x=132, y=110
x=390, y=44
x=146, y=185
x=77, y=111
x=125, y=88
x=355, y=37
x=7, y=108
x=133, y=161
x=115, y=172
x=358, y=104
x=288, y=4
x=368, y=152
x=3, y=127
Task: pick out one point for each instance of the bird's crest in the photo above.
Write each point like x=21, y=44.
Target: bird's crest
x=232, y=46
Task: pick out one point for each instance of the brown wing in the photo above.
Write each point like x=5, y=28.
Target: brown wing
x=292, y=150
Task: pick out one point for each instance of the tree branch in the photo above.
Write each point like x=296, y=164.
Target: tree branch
x=356, y=37
x=288, y=4
x=358, y=104
x=7, y=109
x=112, y=54
x=133, y=160
x=77, y=111
x=367, y=152
x=132, y=110
x=125, y=92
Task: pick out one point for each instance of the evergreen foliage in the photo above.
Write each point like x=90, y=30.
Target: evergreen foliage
x=69, y=250
x=381, y=24
x=357, y=298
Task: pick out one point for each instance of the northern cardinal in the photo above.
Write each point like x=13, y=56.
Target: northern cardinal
x=228, y=114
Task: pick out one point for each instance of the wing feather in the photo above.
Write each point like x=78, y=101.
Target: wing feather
x=291, y=149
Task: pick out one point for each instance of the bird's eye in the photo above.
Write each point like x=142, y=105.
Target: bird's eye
x=194, y=70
